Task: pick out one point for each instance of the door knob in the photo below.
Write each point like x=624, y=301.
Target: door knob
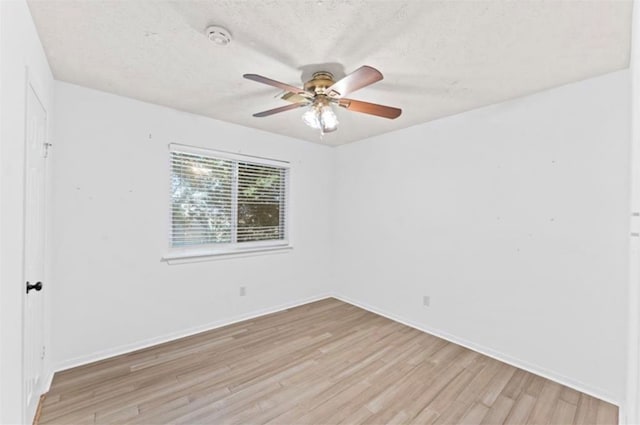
x=37, y=286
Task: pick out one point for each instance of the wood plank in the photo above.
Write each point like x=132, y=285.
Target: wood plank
x=607, y=413
x=475, y=414
x=497, y=384
x=570, y=395
x=36, y=417
x=473, y=391
x=587, y=411
x=564, y=413
x=499, y=411
x=546, y=403
x=521, y=409
x=516, y=384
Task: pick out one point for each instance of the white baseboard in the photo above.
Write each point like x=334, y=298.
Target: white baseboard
x=124, y=349
x=505, y=358
x=48, y=378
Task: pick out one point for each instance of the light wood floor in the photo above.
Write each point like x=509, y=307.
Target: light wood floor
x=322, y=363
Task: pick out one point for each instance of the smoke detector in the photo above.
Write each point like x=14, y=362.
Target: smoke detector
x=218, y=35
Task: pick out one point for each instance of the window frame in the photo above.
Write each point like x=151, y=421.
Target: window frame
x=231, y=249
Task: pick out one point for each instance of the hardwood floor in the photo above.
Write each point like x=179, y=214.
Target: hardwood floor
x=326, y=362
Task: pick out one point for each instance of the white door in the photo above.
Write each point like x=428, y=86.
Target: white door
x=34, y=249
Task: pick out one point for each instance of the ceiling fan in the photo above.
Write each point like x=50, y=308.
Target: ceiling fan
x=321, y=92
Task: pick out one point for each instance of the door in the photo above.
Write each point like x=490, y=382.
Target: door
x=34, y=250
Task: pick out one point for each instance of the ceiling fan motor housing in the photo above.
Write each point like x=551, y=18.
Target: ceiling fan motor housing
x=320, y=82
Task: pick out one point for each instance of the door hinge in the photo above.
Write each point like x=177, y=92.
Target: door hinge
x=45, y=152
x=44, y=351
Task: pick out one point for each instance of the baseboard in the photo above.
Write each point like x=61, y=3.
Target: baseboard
x=521, y=364
x=128, y=348
x=47, y=382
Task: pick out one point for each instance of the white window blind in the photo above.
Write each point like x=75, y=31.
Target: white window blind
x=226, y=202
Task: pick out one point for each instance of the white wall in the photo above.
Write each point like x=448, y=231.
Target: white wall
x=20, y=48
x=512, y=218
x=110, y=228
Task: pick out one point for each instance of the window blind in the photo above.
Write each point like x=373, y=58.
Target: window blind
x=226, y=202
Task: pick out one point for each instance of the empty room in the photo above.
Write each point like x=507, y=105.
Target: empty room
x=319, y=212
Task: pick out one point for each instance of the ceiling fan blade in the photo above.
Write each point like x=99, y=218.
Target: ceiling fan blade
x=370, y=108
x=280, y=109
x=361, y=77
x=278, y=84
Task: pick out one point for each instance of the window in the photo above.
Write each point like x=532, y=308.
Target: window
x=224, y=203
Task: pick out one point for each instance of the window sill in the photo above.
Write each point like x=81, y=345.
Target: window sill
x=197, y=257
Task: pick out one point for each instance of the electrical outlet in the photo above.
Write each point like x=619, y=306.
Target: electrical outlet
x=426, y=300
x=243, y=291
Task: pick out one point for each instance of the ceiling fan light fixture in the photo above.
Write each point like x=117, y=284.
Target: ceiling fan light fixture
x=310, y=118
x=328, y=120
x=321, y=117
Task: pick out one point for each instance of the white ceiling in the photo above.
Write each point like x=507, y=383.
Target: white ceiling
x=438, y=57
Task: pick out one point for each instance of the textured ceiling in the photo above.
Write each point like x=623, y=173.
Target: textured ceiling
x=438, y=57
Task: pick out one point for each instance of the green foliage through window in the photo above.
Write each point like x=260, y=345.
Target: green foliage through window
x=221, y=201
